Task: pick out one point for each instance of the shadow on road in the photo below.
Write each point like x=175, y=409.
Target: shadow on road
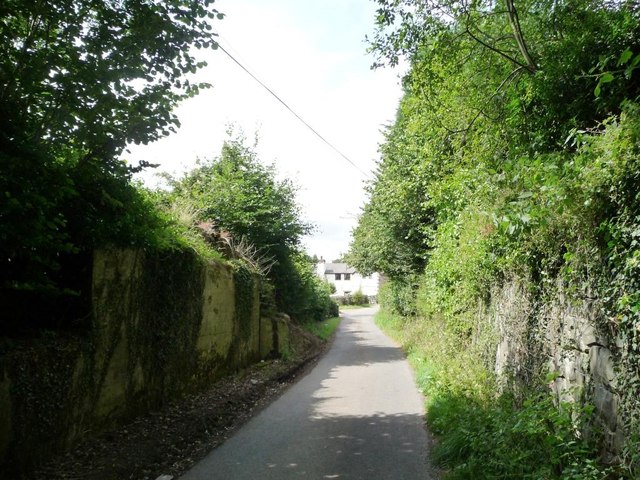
x=356, y=415
x=377, y=447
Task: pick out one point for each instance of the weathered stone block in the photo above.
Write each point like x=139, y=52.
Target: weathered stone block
x=606, y=404
x=602, y=365
x=266, y=337
x=218, y=311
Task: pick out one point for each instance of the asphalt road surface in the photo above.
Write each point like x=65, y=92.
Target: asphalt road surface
x=356, y=415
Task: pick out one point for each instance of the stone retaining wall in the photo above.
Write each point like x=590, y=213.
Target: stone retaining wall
x=162, y=325
x=558, y=337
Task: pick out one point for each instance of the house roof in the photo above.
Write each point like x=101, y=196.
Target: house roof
x=338, y=268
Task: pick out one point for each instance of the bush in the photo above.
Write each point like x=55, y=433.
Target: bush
x=359, y=298
x=237, y=196
x=398, y=295
x=307, y=295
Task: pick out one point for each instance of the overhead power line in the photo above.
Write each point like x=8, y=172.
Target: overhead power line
x=335, y=149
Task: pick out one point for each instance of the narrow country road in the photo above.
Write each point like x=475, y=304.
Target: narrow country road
x=356, y=415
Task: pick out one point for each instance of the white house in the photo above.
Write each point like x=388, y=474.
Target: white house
x=347, y=280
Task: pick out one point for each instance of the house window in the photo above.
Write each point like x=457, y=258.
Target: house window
x=347, y=276
x=338, y=276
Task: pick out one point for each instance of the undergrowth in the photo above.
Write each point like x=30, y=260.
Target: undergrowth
x=323, y=329
x=485, y=435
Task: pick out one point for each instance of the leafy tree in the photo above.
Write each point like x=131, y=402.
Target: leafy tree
x=527, y=65
x=304, y=295
x=238, y=194
x=79, y=80
x=393, y=232
x=93, y=76
x=512, y=156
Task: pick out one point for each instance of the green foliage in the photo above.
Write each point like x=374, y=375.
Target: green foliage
x=177, y=229
x=483, y=435
x=394, y=230
x=398, y=295
x=306, y=295
x=323, y=329
x=474, y=108
x=79, y=81
x=462, y=266
x=443, y=364
x=615, y=176
x=238, y=195
x=91, y=77
x=502, y=440
x=356, y=299
x=503, y=163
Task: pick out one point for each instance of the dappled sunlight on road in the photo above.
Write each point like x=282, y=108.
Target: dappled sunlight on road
x=357, y=415
x=364, y=441
x=366, y=379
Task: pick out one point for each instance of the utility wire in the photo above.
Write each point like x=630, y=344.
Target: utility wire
x=294, y=113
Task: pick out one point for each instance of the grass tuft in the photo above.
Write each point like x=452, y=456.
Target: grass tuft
x=323, y=329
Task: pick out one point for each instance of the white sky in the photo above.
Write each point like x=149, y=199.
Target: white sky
x=312, y=54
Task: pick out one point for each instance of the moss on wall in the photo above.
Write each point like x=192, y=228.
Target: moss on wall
x=163, y=324
x=38, y=389
x=244, y=298
x=218, y=312
x=164, y=336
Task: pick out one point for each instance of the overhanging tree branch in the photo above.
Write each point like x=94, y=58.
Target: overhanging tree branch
x=494, y=49
x=512, y=13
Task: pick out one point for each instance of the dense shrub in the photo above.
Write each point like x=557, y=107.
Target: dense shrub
x=398, y=295
x=357, y=298
x=248, y=213
x=71, y=99
x=514, y=155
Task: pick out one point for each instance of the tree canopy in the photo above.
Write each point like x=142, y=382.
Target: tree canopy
x=238, y=193
x=510, y=163
x=94, y=76
x=79, y=80
x=243, y=201
x=489, y=84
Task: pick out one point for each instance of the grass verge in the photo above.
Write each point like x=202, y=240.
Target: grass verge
x=353, y=307
x=323, y=329
x=486, y=435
